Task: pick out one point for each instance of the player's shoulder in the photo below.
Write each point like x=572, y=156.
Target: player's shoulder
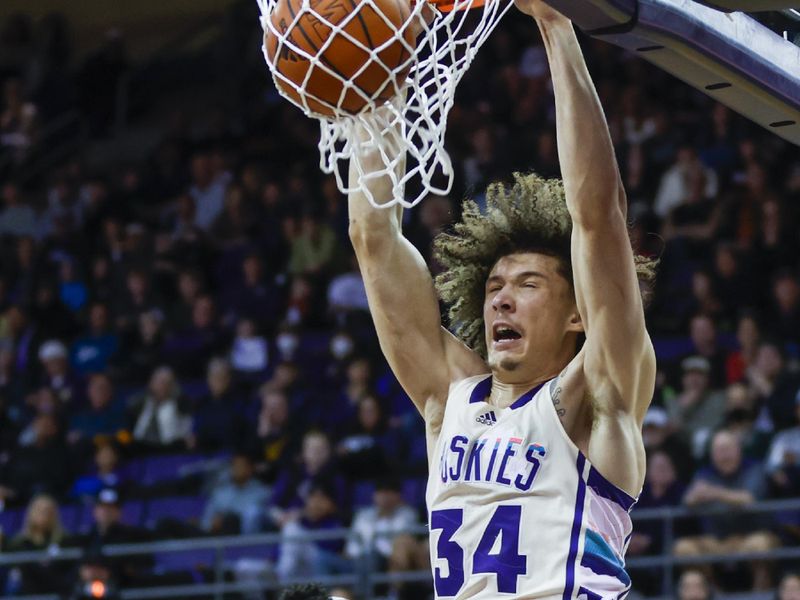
x=464, y=385
x=462, y=362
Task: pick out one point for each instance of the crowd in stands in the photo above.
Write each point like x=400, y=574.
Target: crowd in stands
x=191, y=327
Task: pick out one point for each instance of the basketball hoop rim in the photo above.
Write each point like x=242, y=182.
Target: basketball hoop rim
x=450, y=5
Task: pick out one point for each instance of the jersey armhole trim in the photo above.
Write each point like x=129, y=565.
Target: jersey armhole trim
x=605, y=489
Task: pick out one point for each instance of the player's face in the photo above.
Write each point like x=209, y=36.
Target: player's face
x=529, y=312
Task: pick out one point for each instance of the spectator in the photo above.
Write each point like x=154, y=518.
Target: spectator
x=12, y=386
x=286, y=378
x=347, y=295
x=190, y=287
x=301, y=307
x=142, y=351
x=235, y=224
x=734, y=284
x=273, y=439
x=57, y=374
x=686, y=177
x=239, y=503
x=191, y=349
x=41, y=468
x=95, y=578
x=729, y=482
x=309, y=559
x=101, y=280
x=694, y=585
x=17, y=218
x=18, y=121
x=697, y=409
x=748, y=336
x=207, y=190
x=357, y=385
x=108, y=529
x=785, y=317
x=775, y=245
x=249, y=352
x=218, y=417
x=661, y=489
x=104, y=417
x=342, y=349
x=137, y=299
x=43, y=402
x=783, y=461
x=314, y=249
x=92, y=352
x=106, y=473
x=256, y=297
x=378, y=525
x=747, y=421
x=72, y=291
x=789, y=588
x=705, y=298
x=371, y=447
x=316, y=466
x=773, y=385
x=703, y=335
x=158, y=417
x=42, y=530
x=659, y=434
x=23, y=270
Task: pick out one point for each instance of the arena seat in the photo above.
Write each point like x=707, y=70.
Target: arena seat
x=185, y=508
x=184, y=560
x=11, y=521
x=362, y=493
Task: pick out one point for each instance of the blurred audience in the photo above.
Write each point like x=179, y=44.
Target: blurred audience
x=239, y=503
x=197, y=297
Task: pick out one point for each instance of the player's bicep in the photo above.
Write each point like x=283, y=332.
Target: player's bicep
x=405, y=311
x=618, y=348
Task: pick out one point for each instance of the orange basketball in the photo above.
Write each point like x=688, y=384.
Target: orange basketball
x=377, y=77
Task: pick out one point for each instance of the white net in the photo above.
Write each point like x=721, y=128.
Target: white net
x=416, y=94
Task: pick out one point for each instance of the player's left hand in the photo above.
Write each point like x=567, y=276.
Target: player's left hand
x=539, y=10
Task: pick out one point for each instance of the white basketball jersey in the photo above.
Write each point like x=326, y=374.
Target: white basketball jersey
x=515, y=509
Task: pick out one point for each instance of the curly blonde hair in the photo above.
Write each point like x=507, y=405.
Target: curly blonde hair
x=529, y=216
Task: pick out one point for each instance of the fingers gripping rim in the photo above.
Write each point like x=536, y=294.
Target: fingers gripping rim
x=414, y=121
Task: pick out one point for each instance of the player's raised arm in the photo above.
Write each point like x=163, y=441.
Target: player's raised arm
x=618, y=355
x=402, y=300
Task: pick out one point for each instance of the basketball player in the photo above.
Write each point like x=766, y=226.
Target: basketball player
x=534, y=445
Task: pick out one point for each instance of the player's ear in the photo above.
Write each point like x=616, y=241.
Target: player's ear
x=575, y=322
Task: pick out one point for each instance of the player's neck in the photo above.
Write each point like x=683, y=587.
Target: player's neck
x=504, y=395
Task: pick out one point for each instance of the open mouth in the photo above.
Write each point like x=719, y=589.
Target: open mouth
x=504, y=333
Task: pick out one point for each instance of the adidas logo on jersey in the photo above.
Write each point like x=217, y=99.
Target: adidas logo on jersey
x=487, y=419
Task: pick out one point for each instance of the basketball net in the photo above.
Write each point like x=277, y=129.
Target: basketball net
x=415, y=122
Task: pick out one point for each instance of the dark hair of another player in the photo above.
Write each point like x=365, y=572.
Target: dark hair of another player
x=305, y=591
x=529, y=216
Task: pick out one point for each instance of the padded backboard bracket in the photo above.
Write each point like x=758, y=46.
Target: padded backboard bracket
x=729, y=56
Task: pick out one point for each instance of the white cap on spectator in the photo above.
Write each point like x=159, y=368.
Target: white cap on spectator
x=696, y=363
x=52, y=349
x=655, y=417
x=108, y=496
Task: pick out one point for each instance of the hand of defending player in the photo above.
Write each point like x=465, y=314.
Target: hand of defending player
x=539, y=10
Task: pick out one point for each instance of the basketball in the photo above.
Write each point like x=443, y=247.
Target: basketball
x=347, y=57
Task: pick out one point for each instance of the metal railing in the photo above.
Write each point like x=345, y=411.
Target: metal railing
x=364, y=580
